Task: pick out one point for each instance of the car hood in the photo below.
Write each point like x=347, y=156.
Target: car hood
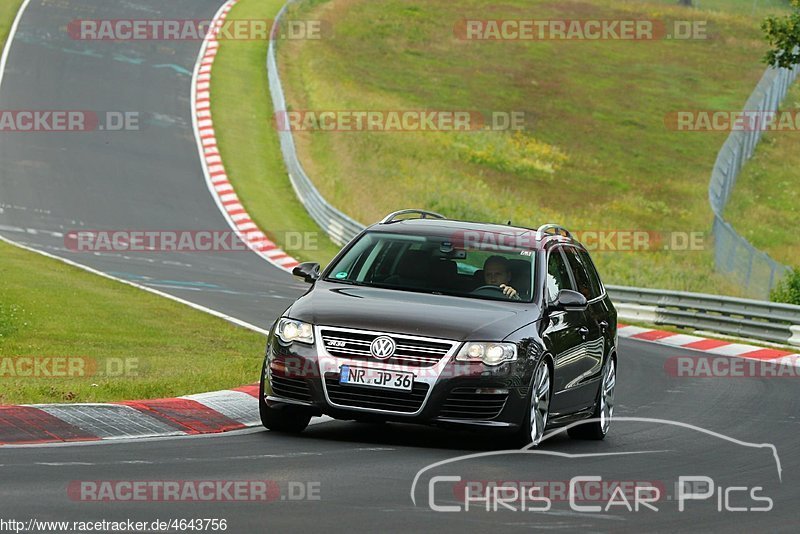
x=422, y=314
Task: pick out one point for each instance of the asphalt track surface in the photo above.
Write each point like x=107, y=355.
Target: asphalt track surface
x=53, y=182
x=150, y=179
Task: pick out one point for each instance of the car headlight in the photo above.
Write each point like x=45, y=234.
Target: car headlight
x=488, y=353
x=289, y=330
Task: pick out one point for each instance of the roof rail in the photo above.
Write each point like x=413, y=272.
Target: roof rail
x=392, y=217
x=542, y=232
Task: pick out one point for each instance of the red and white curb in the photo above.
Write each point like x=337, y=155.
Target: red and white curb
x=237, y=409
x=216, y=178
x=205, y=413
x=709, y=346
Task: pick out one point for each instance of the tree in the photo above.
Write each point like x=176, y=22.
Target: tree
x=788, y=289
x=783, y=35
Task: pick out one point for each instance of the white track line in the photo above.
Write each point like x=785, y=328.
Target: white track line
x=3, y=60
x=199, y=307
x=10, y=39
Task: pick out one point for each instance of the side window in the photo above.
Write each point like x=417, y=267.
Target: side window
x=579, y=272
x=594, y=278
x=557, y=274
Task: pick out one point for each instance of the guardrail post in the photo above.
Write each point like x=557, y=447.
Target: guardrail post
x=795, y=339
x=772, y=276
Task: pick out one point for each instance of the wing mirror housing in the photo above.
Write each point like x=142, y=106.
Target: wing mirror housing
x=308, y=272
x=569, y=300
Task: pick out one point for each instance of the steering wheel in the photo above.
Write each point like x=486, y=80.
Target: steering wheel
x=495, y=289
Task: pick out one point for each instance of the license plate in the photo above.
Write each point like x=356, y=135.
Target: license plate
x=376, y=378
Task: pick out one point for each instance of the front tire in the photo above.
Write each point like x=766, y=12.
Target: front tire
x=533, y=427
x=604, y=409
x=289, y=419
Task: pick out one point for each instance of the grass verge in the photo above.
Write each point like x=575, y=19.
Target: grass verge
x=598, y=156
x=97, y=340
x=8, y=10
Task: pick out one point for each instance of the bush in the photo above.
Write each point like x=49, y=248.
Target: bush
x=788, y=289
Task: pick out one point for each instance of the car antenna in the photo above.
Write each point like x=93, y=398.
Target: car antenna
x=508, y=223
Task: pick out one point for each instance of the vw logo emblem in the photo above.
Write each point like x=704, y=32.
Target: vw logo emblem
x=383, y=347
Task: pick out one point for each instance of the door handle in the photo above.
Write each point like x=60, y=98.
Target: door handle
x=584, y=331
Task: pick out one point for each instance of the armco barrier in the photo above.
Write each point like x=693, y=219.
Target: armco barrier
x=754, y=319
x=336, y=224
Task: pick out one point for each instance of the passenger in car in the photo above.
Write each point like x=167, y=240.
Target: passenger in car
x=497, y=272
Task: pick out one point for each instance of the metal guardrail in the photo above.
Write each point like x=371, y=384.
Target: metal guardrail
x=739, y=317
x=339, y=227
x=733, y=254
x=754, y=319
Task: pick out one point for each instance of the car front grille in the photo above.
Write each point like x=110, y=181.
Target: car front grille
x=410, y=351
x=469, y=403
x=374, y=398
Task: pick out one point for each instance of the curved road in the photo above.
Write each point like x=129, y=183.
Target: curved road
x=50, y=183
x=150, y=179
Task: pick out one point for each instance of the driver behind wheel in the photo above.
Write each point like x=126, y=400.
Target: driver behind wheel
x=497, y=272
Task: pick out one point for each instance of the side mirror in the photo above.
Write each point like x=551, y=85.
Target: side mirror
x=569, y=300
x=308, y=271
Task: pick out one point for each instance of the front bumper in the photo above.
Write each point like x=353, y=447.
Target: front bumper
x=451, y=393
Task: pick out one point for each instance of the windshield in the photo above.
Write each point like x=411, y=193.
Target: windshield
x=433, y=264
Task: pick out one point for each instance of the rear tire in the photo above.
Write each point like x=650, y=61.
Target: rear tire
x=604, y=408
x=289, y=419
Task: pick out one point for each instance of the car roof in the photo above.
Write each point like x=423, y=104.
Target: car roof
x=444, y=227
x=436, y=226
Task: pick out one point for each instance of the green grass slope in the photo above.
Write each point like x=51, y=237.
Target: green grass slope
x=596, y=154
